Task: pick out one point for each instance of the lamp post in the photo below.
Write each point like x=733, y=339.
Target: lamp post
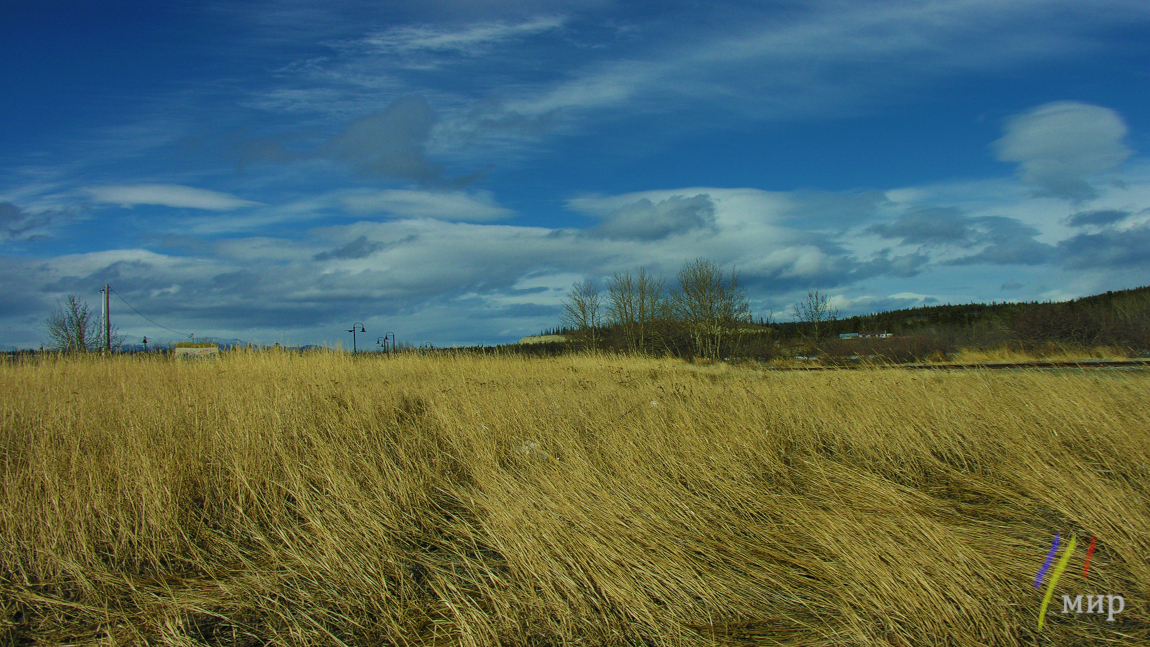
x=352, y=331
x=384, y=338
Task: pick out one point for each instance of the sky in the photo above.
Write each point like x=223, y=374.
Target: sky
x=273, y=171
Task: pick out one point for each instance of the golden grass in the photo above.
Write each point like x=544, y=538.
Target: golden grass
x=283, y=499
x=872, y=357
x=1052, y=353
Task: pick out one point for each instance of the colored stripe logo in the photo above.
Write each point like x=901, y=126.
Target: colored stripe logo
x=1089, y=554
x=1059, y=569
x=1047, y=563
x=1054, y=578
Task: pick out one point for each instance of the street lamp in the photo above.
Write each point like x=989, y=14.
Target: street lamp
x=352, y=331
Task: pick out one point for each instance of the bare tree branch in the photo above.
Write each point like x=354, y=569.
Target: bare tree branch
x=815, y=311
x=636, y=304
x=713, y=307
x=582, y=312
x=73, y=327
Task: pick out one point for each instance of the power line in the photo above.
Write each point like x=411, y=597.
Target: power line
x=152, y=322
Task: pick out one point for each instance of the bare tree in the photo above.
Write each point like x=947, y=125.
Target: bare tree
x=636, y=304
x=713, y=307
x=621, y=304
x=815, y=311
x=74, y=327
x=650, y=307
x=582, y=312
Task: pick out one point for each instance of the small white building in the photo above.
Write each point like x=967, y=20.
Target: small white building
x=186, y=350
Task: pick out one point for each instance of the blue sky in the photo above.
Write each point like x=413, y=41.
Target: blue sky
x=273, y=171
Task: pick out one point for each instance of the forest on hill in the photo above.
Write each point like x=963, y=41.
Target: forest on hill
x=1119, y=320
x=1111, y=319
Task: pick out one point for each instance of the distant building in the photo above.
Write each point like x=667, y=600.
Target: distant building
x=186, y=350
x=848, y=335
x=874, y=334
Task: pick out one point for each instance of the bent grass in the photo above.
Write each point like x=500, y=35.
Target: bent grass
x=277, y=498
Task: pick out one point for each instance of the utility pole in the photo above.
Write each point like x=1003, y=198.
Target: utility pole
x=107, y=321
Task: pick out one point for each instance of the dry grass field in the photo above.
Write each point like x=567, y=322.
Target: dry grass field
x=284, y=499
x=1055, y=354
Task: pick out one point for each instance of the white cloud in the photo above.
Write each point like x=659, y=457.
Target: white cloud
x=1060, y=145
x=810, y=60
x=829, y=57
x=460, y=281
x=478, y=206
x=910, y=296
x=472, y=39
x=599, y=87
x=168, y=195
x=647, y=220
x=790, y=262
x=768, y=203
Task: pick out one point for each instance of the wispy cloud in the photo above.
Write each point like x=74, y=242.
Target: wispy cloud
x=1097, y=218
x=387, y=144
x=18, y=224
x=829, y=58
x=478, y=206
x=816, y=59
x=362, y=248
x=167, y=195
x=337, y=206
x=359, y=248
x=473, y=39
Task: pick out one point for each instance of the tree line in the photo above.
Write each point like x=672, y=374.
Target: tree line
x=1116, y=318
x=707, y=314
